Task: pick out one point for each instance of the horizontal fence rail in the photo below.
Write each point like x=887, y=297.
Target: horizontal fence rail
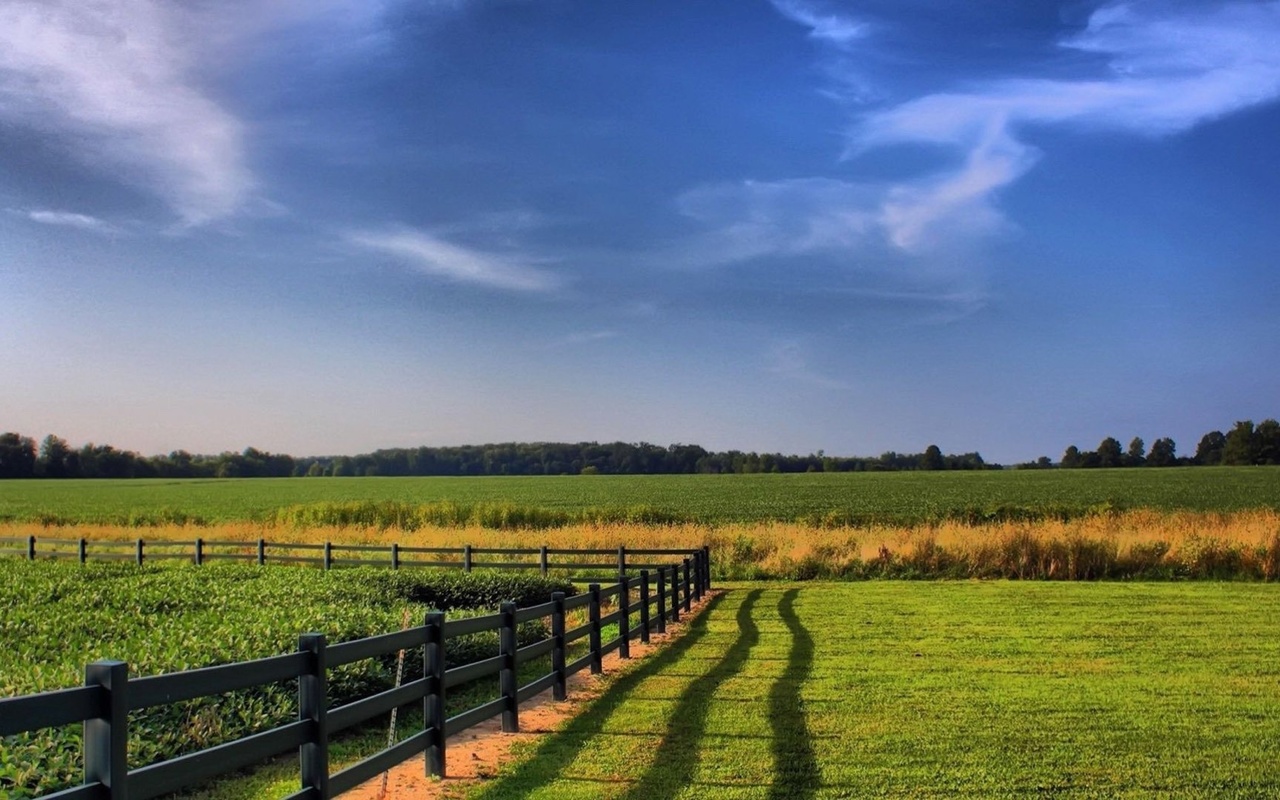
x=329, y=555
x=643, y=603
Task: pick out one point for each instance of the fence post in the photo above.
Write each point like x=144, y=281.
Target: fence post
x=395, y=555
x=700, y=574
x=675, y=593
x=31, y=548
x=433, y=702
x=543, y=563
x=199, y=551
x=687, y=587
x=106, y=754
x=508, y=684
x=466, y=558
x=706, y=564
x=697, y=574
x=82, y=550
x=559, y=689
x=597, y=665
x=662, y=599
x=644, y=606
x=624, y=618
x=622, y=562
x=328, y=555
x=262, y=552
x=313, y=756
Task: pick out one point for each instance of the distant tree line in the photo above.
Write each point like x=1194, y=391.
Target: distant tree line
x=1244, y=445
x=20, y=457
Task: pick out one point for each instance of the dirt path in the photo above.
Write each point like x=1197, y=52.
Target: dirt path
x=476, y=753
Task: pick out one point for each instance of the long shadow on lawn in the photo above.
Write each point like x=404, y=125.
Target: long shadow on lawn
x=795, y=765
x=545, y=765
x=677, y=755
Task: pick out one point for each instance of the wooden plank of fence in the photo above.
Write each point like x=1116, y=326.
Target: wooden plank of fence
x=560, y=688
x=662, y=600
x=624, y=618
x=313, y=705
x=106, y=736
x=644, y=606
x=433, y=704
x=597, y=665
x=507, y=678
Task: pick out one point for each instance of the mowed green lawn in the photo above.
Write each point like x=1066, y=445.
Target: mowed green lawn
x=949, y=690
x=890, y=497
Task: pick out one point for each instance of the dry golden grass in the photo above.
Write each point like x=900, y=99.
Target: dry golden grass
x=1150, y=543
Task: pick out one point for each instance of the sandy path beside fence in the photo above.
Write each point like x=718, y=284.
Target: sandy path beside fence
x=477, y=753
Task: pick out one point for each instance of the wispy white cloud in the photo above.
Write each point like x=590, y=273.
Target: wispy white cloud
x=580, y=339
x=68, y=219
x=127, y=86
x=828, y=26
x=114, y=81
x=753, y=219
x=432, y=255
x=1167, y=70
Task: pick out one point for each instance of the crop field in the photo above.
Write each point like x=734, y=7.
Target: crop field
x=937, y=690
x=828, y=498
x=60, y=616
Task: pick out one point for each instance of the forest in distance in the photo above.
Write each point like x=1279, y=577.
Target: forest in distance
x=20, y=457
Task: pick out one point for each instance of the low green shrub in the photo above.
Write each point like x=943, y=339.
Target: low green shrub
x=60, y=616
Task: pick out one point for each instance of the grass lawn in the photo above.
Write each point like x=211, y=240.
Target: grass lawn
x=948, y=689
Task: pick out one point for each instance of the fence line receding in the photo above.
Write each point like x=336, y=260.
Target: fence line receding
x=642, y=603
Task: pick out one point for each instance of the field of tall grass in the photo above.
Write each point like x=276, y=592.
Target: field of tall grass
x=1116, y=545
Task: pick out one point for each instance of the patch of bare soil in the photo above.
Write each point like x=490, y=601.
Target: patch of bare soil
x=476, y=753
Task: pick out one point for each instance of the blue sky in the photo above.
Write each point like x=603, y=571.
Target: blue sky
x=329, y=226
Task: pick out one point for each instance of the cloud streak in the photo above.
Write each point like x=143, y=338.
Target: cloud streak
x=1165, y=75
x=113, y=81
x=127, y=86
x=826, y=26
x=755, y=219
x=1164, y=72
x=434, y=256
x=69, y=219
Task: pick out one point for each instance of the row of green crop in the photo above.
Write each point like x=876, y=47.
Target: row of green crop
x=826, y=498
x=60, y=616
x=384, y=514
x=391, y=514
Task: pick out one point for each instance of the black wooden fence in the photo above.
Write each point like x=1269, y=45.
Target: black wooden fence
x=642, y=603
x=329, y=555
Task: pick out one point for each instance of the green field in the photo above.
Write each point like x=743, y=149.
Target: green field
x=937, y=690
x=902, y=497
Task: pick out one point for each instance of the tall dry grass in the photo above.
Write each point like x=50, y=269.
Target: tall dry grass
x=1131, y=544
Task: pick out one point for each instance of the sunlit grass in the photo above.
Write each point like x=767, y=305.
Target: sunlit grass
x=956, y=689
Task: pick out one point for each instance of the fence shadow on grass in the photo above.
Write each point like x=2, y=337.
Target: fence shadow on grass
x=677, y=756
x=549, y=760
x=795, y=765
